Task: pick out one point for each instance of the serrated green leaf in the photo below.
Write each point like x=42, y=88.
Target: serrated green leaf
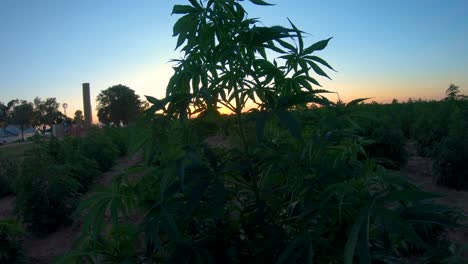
x=321, y=61
x=183, y=9
x=285, y=44
x=407, y=196
x=299, y=36
x=356, y=101
x=260, y=2
x=363, y=243
x=270, y=45
x=397, y=225
x=291, y=251
x=184, y=25
x=261, y=120
x=317, y=69
x=290, y=122
x=195, y=4
x=169, y=225
x=353, y=235
x=317, y=46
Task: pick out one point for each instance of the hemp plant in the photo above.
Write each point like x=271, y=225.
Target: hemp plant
x=228, y=59
x=318, y=198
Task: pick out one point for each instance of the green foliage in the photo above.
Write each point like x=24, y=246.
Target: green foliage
x=99, y=147
x=431, y=125
x=56, y=172
x=451, y=153
x=119, y=243
x=118, y=104
x=383, y=127
x=46, y=113
x=6, y=111
x=279, y=202
x=46, y=192
x=119, y=137
x=208, y=123
x=451, y=162
x=8, y=173
x=284, y=191
x=226, y=62
x=453, y=93
x=22, y=115
x=388, y=144
x=69, y=154
x=11, y=246
x=3, y=114
x=78, y=118
x=117, y=246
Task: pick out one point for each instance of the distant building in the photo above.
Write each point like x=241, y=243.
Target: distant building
x=6, y=133
x=12, y=133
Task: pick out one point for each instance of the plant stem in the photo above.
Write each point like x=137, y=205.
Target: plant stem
x=239, y=119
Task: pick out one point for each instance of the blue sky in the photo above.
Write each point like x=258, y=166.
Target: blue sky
x=381, y=49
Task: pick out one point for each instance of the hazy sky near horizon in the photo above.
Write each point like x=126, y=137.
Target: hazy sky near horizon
x=381, y=49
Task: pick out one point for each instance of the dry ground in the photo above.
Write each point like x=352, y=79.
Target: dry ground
x=419, y=171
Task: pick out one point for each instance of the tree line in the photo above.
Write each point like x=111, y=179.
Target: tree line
x=40, y=114
x=116, y=105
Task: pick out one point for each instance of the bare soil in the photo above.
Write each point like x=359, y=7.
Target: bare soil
x=419, y=171
x=7, y=206
x=45, y=249
x=219, y=141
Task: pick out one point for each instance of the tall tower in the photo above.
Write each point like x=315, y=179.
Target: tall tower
x=88, y=117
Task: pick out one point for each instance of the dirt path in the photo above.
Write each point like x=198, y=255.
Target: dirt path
x=7, y=206
x=419, y=171
x=44, y=250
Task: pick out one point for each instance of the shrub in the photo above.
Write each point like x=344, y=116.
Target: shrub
x=388, y=143
x=431, y=125
x=208, y=123
x=11, y=244
x=46, y=192
x=70, y=155
x=451, y=154
x=451, y=162
x=119, y=136
x=8, y=174
x=99, y=147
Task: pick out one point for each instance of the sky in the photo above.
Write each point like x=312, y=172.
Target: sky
x=380, y=49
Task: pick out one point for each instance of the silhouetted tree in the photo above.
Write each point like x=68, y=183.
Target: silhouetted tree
x=6, y=110
x=3, y=114
x=118, y=104
x=46, y=113
x=78, y=118
x=22, y=115
x=452, y=92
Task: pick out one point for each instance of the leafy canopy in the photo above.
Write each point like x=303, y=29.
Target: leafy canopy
x=3, y=114
x=118, y=104
x=46, y=113
x=22, y=115
x=78, y=117
x=453, y=93
x=319, y=199
x=229, y=59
